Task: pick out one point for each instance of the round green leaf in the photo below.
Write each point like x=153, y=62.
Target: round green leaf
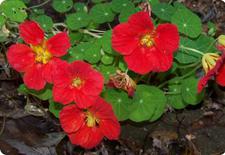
x=78, y=20
x=107, y=71
x=55, y=108
x=189, y=91
x=75, y=37
x=80, y=7
x=14, y=10
x=62, y=5
x=107, y=59
x=146, y=100
x=125, y=14
x=120, y=103
x=43, y=94
x=101, y=13
x=119, y=5
x=45, y=22
x=74, y=54
x=164, y=11
x=187, y=22
x=175, y=99
x=184, y=56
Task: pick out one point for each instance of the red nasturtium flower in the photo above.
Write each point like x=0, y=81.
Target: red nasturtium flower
x=214, y=66
x=39, y=60
x=87, y=127
x=77, y=82
x=144, y=47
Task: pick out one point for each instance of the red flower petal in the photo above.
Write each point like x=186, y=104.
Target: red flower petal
x=20, y=57
x=161, y=62
x=108, y=125
x=62, y=95
x=102, y=109
x=86, y=137
x=220, y=78
x=110, y=129
x=82, y=100
x=31, y=32
x=141, y=22
x=58, y=44
x=51, y=69
x=93, y=83
x=62, y=77
x=33, y=78
x=124, y=39
x=139, y=61
x=167, y=39
x=71, y=118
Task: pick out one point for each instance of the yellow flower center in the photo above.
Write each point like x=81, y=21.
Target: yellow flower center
x=77, y=82
x=42, y=55
x=91, y=120
x=209, y=61
x=147, y=40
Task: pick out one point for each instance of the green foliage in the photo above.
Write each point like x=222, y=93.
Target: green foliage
x=189, y=91
x=120, y=101
x=80, y=7
x=164, y=11
x=45, y=22
x=55, y=108
x=119, y=5
x=147, y=103
x=107, y=71
x=62, y=5
x=78, y=20
x=101, y=13
x=2, y=21
x=43, y=94
x=14, y=10
x=187, y=22
x=183, y=92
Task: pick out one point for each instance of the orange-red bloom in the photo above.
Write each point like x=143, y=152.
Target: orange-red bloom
x=77, y=82
x=39, y=60
x=144, y=47
x=87, y=127
x=217, y=71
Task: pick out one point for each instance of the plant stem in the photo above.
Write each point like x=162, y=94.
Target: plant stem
x=182, y=77
x=189, y=65
x=191, y=49
x=59, y=24
x=94, y=30
x=39, y=5
x=91, y=34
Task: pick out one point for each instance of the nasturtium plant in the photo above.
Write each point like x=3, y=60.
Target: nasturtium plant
x=187, y=22
x=101, y=13
x=62, y=5
x=100, y=62
x=78, y=20
x=14, y=10
x=164, y=11
x=45, y=22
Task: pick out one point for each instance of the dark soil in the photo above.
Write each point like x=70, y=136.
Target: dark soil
x=26, y=127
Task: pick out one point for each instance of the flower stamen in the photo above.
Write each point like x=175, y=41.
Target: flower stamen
x=42, y=55
x=147, y=40
x=77, y=82
x=91, y=120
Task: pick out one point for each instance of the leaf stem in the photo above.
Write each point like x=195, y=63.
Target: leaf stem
x=191, y=49
x=91, y=34
x=39, y=5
